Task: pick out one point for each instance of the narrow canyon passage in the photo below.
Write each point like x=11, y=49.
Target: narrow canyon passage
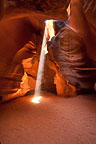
x=62, y=76
x=55, y=120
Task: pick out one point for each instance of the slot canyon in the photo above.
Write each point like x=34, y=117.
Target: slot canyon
x=47, y=71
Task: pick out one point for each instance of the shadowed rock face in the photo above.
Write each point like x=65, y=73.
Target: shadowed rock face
x=90, y=12
x=14, y=34
x=74, y=47
x=1, y=9
x=74, y=63
x=54, y=8
x=51, y=7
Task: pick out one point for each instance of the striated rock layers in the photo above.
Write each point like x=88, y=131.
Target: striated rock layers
x=68, y=65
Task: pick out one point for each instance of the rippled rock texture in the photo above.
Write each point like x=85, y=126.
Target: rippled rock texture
x=22, y=26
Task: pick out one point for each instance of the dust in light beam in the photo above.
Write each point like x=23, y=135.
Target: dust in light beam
x=48, y=34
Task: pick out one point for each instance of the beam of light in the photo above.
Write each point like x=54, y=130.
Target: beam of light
x=48, y=32
x=50, y=28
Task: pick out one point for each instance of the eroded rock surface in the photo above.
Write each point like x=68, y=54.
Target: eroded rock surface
x=76, y=68
x=72, y=50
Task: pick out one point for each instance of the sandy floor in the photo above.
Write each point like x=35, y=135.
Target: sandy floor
x=55, y=120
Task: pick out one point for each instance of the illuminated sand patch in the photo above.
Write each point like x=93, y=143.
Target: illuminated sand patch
x=36, y=99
